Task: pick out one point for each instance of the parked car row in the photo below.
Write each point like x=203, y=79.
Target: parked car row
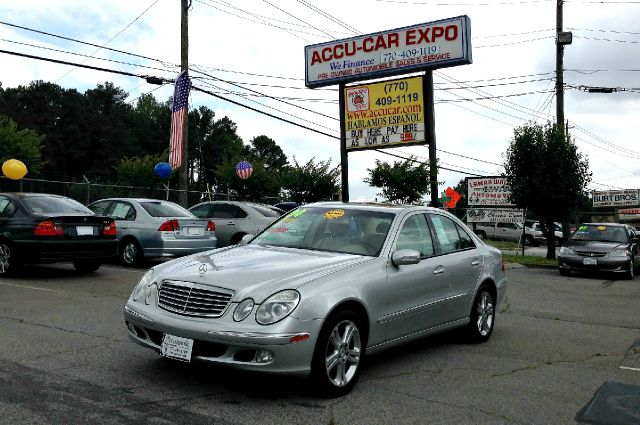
x=43, y=228
x=510, y=232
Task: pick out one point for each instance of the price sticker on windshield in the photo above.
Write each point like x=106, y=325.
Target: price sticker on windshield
x=333, y=214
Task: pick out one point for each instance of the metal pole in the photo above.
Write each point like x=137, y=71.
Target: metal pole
x=430, y=133
x=344, y=160
x=184, y=66
x=559, y=68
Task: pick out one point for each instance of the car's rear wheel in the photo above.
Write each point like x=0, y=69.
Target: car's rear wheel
x=130, y=252
x=482, y=316
x=339, y=353
x=86, y=266
x=7, y=259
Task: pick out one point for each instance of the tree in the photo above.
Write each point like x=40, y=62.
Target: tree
x=267, y=151
x=546, y=174
x=139, y=172
x=24, y=145
x=401, y=183
x=310, y=182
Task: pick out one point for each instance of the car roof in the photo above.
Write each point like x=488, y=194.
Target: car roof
x=31, y=194
x=603, y=224
x=373, y=206
x=132, y=199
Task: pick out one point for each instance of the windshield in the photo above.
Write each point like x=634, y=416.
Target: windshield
x=601, y=233
x=343, y=230
x=55, y=205
x=165, y=209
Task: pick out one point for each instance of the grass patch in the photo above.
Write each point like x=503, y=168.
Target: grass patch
x=528, y=260
x=503, y=244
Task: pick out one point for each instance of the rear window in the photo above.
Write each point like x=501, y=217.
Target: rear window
x=265, y=211
x=165, y=209
x=54, y=205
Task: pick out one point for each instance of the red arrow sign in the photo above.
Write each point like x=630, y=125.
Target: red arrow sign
x=453, y=196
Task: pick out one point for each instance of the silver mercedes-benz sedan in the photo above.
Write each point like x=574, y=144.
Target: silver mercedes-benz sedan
x=319, y=289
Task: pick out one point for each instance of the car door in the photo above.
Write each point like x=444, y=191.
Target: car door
x=124, y=213
x=414, y=290
x=229, y=220
x=7, y=211
x=461, y=266
x=508, y=232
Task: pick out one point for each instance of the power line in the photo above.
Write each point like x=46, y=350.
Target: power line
x=301, y=20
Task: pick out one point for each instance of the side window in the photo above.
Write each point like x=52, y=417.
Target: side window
x=415, y=235
x=223, y=211
x=201, y=211
x=123, y=211
x=447, y=233
x=239, y=212
x=7, y=208
x=465, y=239
x=100, y=208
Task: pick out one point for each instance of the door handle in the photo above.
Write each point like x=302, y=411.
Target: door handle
x=438, y=270
x=231, y=223
x=475, y=262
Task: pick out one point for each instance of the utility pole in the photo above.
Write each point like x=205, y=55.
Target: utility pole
x=562, y=38
x=183, y=181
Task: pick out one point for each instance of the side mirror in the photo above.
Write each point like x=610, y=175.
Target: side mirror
x=404, y=257
x=245, y=239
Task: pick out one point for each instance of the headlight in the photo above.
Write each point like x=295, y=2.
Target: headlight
x=150, y=297
x=143, y=286
x=618, y=253
x=566, y=250
x=243, y=310
x=277, y=307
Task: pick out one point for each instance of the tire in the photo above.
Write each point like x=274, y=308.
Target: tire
x=130, y=253
x=482, y=235
x=482, y=316
x=235, y=239
x=564, y=272
x=528, y=240
x=86, y=266
x=341, y=343
x=630, y=273
x=8, y=262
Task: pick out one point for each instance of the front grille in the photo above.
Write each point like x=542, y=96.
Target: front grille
x=190, y=299
x=591, y=254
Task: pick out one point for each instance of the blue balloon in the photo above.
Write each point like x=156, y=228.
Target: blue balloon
x=162, y=169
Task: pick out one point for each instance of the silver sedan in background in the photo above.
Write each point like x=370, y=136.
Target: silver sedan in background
x=235, y=219
x=149, y=228
x=318, y=290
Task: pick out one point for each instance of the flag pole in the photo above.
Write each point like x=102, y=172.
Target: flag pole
x=183, y=181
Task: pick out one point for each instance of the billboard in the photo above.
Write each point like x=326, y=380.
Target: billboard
x=495, y=215
x=615, y=198
x=488, y=191
x=385, y=114
x=629, y=214
x=436, y=44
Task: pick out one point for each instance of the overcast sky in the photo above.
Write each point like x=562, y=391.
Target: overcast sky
x=259, y=45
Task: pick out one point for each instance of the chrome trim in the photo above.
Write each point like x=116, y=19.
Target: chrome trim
x=135, y=314
x=192, y=299
x=415, y=309
x=259, y=335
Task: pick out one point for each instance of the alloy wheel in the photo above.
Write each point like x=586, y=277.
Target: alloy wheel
x=130, y=253
x=343, y=353
x=484, y=309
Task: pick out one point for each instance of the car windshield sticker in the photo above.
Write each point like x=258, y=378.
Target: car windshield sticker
x=297, y=213
x=278, y=230
x=582, y=228
x=333, y=214
x=602, y=228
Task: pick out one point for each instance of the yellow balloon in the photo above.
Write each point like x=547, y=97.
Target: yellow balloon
x=14, y=169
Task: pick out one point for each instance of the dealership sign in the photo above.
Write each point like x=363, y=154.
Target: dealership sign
x=436, y=44
x=382, y=114
x=615, y=198
x=488, y=191
x=495, y=215
x=628, y=214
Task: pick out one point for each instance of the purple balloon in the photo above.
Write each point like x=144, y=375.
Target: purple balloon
x=162, y=169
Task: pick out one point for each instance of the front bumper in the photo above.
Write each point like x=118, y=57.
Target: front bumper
x=223, y=341
x=603, y=264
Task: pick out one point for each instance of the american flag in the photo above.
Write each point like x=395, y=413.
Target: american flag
x=244, y=170
x=179, y=113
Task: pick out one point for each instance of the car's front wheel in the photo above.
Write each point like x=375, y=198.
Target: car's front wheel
x=339, y=353
x=7, y=259
x=86, y=266
x=482, y=316
x=130, y=252
x=630, y=273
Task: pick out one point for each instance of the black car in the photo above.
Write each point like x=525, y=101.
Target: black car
x=42, y=228
x=607, y=247
x=287, y=205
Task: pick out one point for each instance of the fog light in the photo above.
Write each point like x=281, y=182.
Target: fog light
x=264, y=356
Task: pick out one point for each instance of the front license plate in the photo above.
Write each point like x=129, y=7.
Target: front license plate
x=84, y=230
x=176, y=347
x=194, y=231
x=589, y=261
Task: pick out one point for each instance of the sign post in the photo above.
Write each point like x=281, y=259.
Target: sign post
x=344, y=161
